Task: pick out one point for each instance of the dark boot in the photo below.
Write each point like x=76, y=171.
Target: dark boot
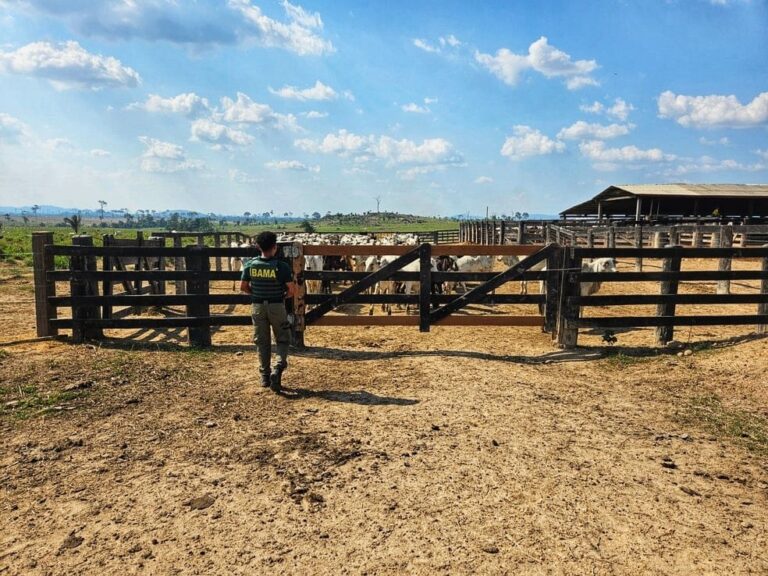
x=277, y=377
x=265, y=379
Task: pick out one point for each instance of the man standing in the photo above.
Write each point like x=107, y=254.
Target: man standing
x=269, y=282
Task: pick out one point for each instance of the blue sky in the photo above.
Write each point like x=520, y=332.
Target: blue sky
x=436, y=107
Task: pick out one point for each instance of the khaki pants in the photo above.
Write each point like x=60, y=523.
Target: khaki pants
x=268, y=315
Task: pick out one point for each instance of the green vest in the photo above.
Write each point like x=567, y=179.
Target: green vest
x=267, y=279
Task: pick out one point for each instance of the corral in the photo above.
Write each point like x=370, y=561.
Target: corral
x=394, y=451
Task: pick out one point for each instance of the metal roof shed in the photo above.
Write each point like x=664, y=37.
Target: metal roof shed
x=653, y=201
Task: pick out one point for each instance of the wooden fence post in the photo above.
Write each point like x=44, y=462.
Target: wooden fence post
x=697, y=237
x=674, y=236
x=299, y=304
x=106, y=285
x=552, y=302
x=504, y=232
x=425, y=286
x=217, y=244
x=762, y=307
x=665, y=333
x=639, y=244
x=83, y=287
x=568, y=328
x=724, y=264
x=42, y=263
x=197, y=261
x=611, y=237
x=178, y=266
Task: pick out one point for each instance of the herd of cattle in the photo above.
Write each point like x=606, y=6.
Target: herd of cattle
x=369, y=264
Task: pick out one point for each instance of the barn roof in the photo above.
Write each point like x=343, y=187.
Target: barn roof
x=677, y=199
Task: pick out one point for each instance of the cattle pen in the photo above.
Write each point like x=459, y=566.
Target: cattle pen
x=91, y=275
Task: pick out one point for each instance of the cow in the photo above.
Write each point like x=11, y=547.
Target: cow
x=236, y=262
x=313, y=263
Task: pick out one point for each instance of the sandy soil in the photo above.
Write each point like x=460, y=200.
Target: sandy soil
x=392, y=452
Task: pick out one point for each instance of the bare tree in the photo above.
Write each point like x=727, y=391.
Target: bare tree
x=378, y=203
x=102, y=203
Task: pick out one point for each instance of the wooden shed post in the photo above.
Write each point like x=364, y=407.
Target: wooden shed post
x=724, y=264
x=42, y=263
x=665, y=333
x=568, y=328
x=762, y=307
x=197, y=261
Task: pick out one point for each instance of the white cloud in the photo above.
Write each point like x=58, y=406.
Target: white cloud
x=343, y=143
x=544, y=59
x=724, y=141
x=582, y=130
x=449, y=40
x=762, y=153
x=707, y=164
x=314, y=114
x=714, y=110
x=58, y=144
x=302, y=17
x=527, y=142
x=596, y=151
x=415, y=108
x=165, y=157
x=236, y=175
x=11, y=129
x=416, y=158
x=426, y=46
x=189, y=23
x=68, y=65
x=219, y=135
x=99, y=153
x=619, y=109
x=294, y=165
x=188, y=104
x=429, y=101
x=296, y=36
x=483, y=180
x=317, y=92
x=246, y=111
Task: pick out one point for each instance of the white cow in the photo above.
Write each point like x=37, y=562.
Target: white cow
x=472, y=264
x=236, y=262
x=313, y=263
x=596, y=265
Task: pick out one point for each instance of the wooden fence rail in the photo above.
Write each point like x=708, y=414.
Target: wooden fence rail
x=92, y=300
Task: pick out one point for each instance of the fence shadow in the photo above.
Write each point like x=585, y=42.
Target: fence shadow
x=361, y=397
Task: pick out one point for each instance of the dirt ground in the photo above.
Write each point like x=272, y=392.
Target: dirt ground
x=461, y=451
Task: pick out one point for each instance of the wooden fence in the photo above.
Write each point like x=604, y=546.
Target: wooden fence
x=562, y=306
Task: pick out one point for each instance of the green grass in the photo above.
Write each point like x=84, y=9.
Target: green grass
x=16, y=241
x=32, y=402
x=745, y=428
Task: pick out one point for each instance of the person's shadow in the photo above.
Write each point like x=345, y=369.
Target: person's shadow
x=352, y=397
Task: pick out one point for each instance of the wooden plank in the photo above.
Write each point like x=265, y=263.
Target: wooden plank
x=553, y=290
x=724, y=264
x=659, y=253
x=299, y=297
x=641, y=299
x=337, y=276
x=435, y=298
x=81, y=314
x=425, y=285
x=197, y=259
x=45, y=288
x=762, y=308
x=666, y=309
x=650, y=321
x=687, y=275
x=567, y=325
x=439, y=250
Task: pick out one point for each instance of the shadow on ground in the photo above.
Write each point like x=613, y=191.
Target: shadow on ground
x=350, y=397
